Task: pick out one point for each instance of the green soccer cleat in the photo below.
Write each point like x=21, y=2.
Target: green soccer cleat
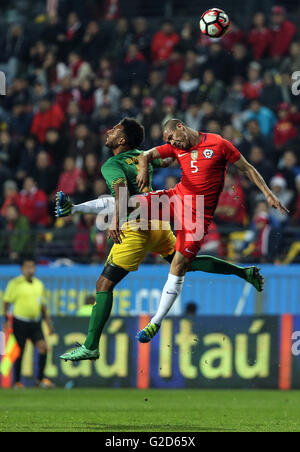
x=81, y=354
x=63, y=205
x=148, y=333
x=254, y=277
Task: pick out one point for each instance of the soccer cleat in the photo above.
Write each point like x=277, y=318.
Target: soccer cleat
x=81, y=354
x=19, y=385
x=254, y=277
x=63, y=205
x=45, y=384
x=148, y=333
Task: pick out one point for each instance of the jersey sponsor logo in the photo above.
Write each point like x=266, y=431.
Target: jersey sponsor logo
x=182, y=155
x=208, y=153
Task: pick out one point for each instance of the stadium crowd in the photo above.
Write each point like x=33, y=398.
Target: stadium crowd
x=71, y=80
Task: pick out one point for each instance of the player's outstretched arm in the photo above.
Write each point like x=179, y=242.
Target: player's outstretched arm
x=258, y=180
x=144, y=159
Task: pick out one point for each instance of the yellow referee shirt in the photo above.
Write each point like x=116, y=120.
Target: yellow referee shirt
x=27, y=298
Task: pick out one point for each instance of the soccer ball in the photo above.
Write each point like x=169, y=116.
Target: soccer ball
x=214, y=23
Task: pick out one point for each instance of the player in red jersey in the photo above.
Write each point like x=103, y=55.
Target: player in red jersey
x=204, y=159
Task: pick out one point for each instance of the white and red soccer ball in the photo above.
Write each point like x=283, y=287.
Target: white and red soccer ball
x=214, y=23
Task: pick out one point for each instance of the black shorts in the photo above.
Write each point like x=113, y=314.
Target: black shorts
x=27, y=330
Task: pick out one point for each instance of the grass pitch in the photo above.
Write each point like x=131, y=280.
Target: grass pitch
x=130, y=410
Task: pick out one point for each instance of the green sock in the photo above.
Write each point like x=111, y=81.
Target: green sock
x=100, y=315
x=210, y=264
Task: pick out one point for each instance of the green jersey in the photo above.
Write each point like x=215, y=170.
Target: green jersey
x=124, y=168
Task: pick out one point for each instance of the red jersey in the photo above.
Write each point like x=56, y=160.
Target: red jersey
x=203, y=168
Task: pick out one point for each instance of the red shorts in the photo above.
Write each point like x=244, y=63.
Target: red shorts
x=186, y=212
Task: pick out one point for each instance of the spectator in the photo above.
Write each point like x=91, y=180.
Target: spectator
x=68, y=179
x=188, y=89
x=83, y=192
x=260, y=37
x=193, y=117
x=73, y=118
x=279, y=187
x=33, y=204
x=254, y=85
x=175, y=68
x=254, y=137
x=133, y=69
x=142, y=37
x=66, y=93
x=258, y=159
x=84, y=142
x=100, y=188
x=15, y=237
x=283, y=32
x=211, y=90
x=10, y=192
x=20, y=121
x=82, y=240
x=86, y=97
x=45, y=174
x=127, y=108
x=239, y=61
x=231, y=209
x=50, y=115
x=232, y=37
x=157, y=89
x=163, y=43
x=292, y=62
x=121, y=39
x=9, y=151
x=13, y=51
x=55, y=146
x=78, y=67
x=234, y=101
x=154, y=138
x=271, y=95
x=107, y=94
x=285, y=128
x=289, y=168
x=27, y=158
x=263, y=115
x=93, y=42
x=169, y=109
x=149, y=114
x=91, y=170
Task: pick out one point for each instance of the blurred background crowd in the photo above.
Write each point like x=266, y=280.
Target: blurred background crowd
x=77, y=68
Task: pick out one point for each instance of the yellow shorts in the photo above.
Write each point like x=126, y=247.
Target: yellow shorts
x=137, y=243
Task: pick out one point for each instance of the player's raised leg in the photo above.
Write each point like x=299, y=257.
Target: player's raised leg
x=64, y=206
x=171, y=291
x=210, y=264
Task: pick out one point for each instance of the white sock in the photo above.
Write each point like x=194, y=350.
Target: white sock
x=170, y=292
x=95, y=206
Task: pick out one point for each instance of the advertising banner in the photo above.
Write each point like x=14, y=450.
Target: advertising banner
x=188, y=352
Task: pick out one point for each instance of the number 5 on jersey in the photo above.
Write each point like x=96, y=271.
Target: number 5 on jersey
x=194, y=167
